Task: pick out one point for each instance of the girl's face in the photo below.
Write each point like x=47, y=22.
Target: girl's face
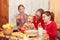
x=46, y=18
x=38, y=13
x=30, y=19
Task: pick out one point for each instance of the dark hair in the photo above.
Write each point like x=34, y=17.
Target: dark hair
x=48, y=13
x=21, y=6
x=41, y=11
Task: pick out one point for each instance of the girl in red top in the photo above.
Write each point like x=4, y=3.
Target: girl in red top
x=50, y=26
x=38, y=18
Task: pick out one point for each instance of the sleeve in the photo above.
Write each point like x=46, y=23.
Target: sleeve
x=35, y=22
x=34, y=19
x=43, y=24
x=53, y=32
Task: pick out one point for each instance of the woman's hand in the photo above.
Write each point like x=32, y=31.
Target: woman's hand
x=19, y=28
x=18, y=18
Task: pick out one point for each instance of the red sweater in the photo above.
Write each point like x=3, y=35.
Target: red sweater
x=36, y=22
x=51, y=30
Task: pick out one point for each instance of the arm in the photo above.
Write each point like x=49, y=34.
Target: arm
x=53, y=31
x=42, y=24
x=17, y=19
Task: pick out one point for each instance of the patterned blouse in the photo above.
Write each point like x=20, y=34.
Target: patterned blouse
x=22, y=20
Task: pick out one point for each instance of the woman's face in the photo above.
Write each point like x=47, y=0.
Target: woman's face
x=46, y=18
x=38, y=14
x=21, y=9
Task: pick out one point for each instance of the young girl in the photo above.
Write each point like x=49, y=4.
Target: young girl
x=38, y=18
x=50, y=25
x=29, y=24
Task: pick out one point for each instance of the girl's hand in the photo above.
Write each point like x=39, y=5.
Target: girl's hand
x=44, y=32
x=45, y=36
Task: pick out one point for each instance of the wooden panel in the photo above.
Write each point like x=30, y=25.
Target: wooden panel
x=55, y=7
x=0, y=14
x=4, y=11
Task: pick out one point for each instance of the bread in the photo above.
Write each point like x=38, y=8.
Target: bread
x=32, y=32
x=18, y=34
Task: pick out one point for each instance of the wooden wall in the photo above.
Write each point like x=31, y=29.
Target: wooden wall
x=55, y=7
x=4, y=9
